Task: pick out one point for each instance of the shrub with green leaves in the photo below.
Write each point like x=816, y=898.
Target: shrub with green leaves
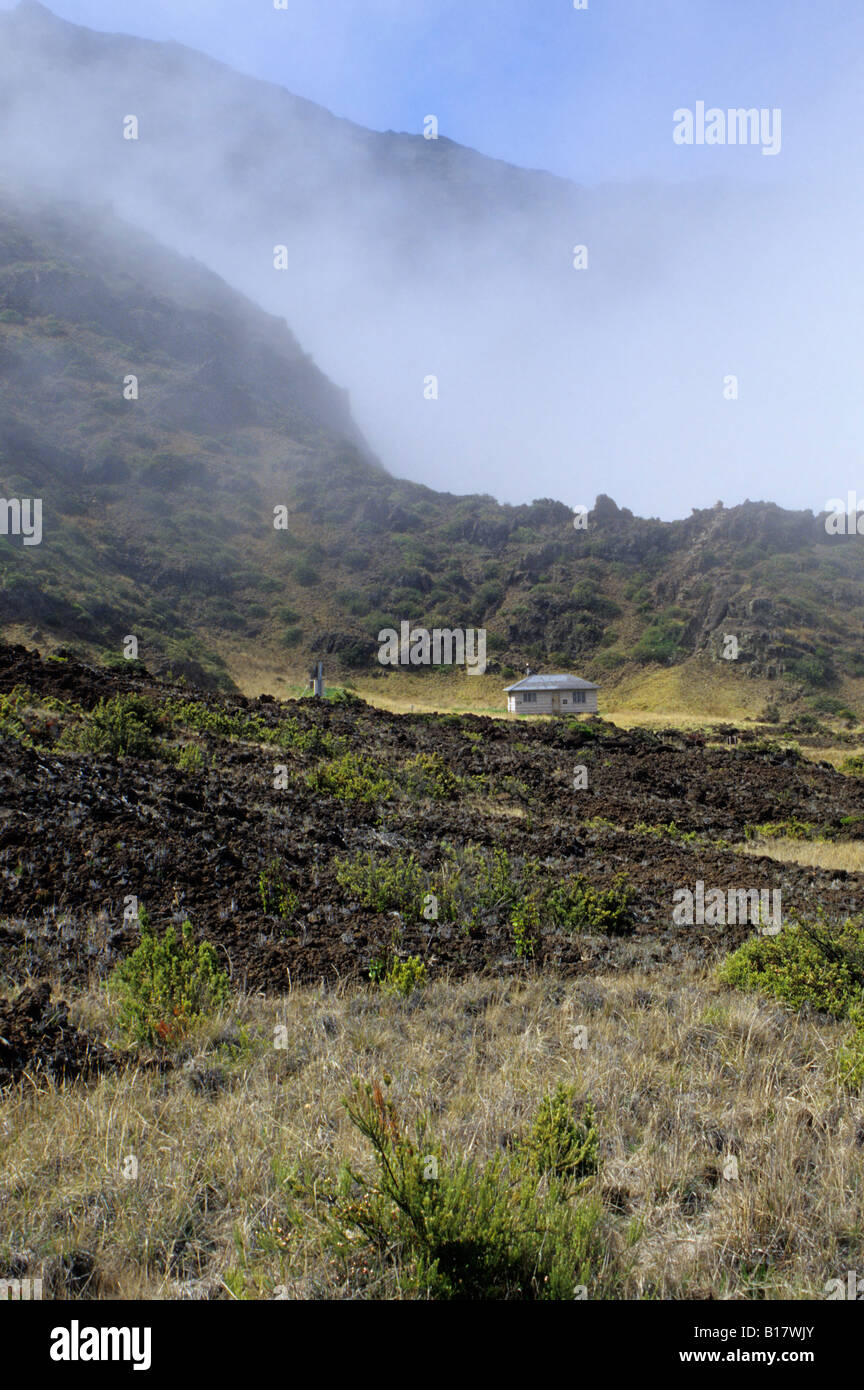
x=473, y=885
x=21, y=715
x=815, y=963
x=820, y=964
x=278, y=898
x=290, y=733
x=525, y=922
x=351, y=778
x=665, y=830
x=460, y=1228
x=793, y=829
x=429, y=775
x=393, y=883
x=190, y=757
x=166, y=985
x=575, y=904
x=124, y=726
x=662, y=640
x=404, y=976
x=204, y=718
x=561, y=1142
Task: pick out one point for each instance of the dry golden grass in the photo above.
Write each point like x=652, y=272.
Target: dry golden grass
x=684, y=1077
x=833, y=753
x=815, y=854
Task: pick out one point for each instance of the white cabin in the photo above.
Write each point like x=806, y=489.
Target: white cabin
x=559, y=694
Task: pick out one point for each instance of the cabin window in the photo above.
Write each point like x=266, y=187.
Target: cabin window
x=579, y=697
x=529, y=697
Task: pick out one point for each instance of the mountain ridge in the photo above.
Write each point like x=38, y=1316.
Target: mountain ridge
x=159, y=512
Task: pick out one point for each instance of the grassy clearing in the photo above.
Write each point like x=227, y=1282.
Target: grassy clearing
x=243, y=1152
x=814, y=854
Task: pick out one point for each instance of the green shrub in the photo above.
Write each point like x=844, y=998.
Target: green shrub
x=344, y=695
x=473, y=884
x=788, y=829
x=460, y=1228
x=429, y=775
x=395, y=883
x=815, y=963
x=561, y=1143
x=351, y=778
x=853, y=765
x=278, y=898
x=166, y=985
x=289, y=734
x=212, y=719
x=190, y=757
x=661, y=641
x=12, y=705
x=576, y=904
x=813, y=670
x=123, y=726
x=404, y=976
x=526, y=926
x=661, y=830
x=819, y=964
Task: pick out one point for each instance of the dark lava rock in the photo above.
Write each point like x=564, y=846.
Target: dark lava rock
x=37, y=1039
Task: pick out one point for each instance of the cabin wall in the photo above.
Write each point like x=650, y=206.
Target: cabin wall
x=553, y=702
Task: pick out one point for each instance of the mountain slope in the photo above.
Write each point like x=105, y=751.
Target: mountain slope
x=159, y=508
x=159, y=512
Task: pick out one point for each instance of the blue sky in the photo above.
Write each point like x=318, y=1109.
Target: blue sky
x=588, y=94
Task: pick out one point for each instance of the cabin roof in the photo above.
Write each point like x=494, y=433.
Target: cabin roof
x=553, y=682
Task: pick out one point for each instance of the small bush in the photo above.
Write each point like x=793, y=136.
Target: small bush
x=661, y=641
x=351, y=778
x=396, y=883
x=813, y=670
x=473, y=885
x=777, y=829
x=459, y=1228
x=123, y=726
x=429, y=775
x=576, y=904
x=819, y=964
x=526, y=926
x=190, y=758
x=212, y=719
x=561, y=1143
x=404, y=976
x=815, y=963
x=166, y=985
x=277, y=896
x=13, y=704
